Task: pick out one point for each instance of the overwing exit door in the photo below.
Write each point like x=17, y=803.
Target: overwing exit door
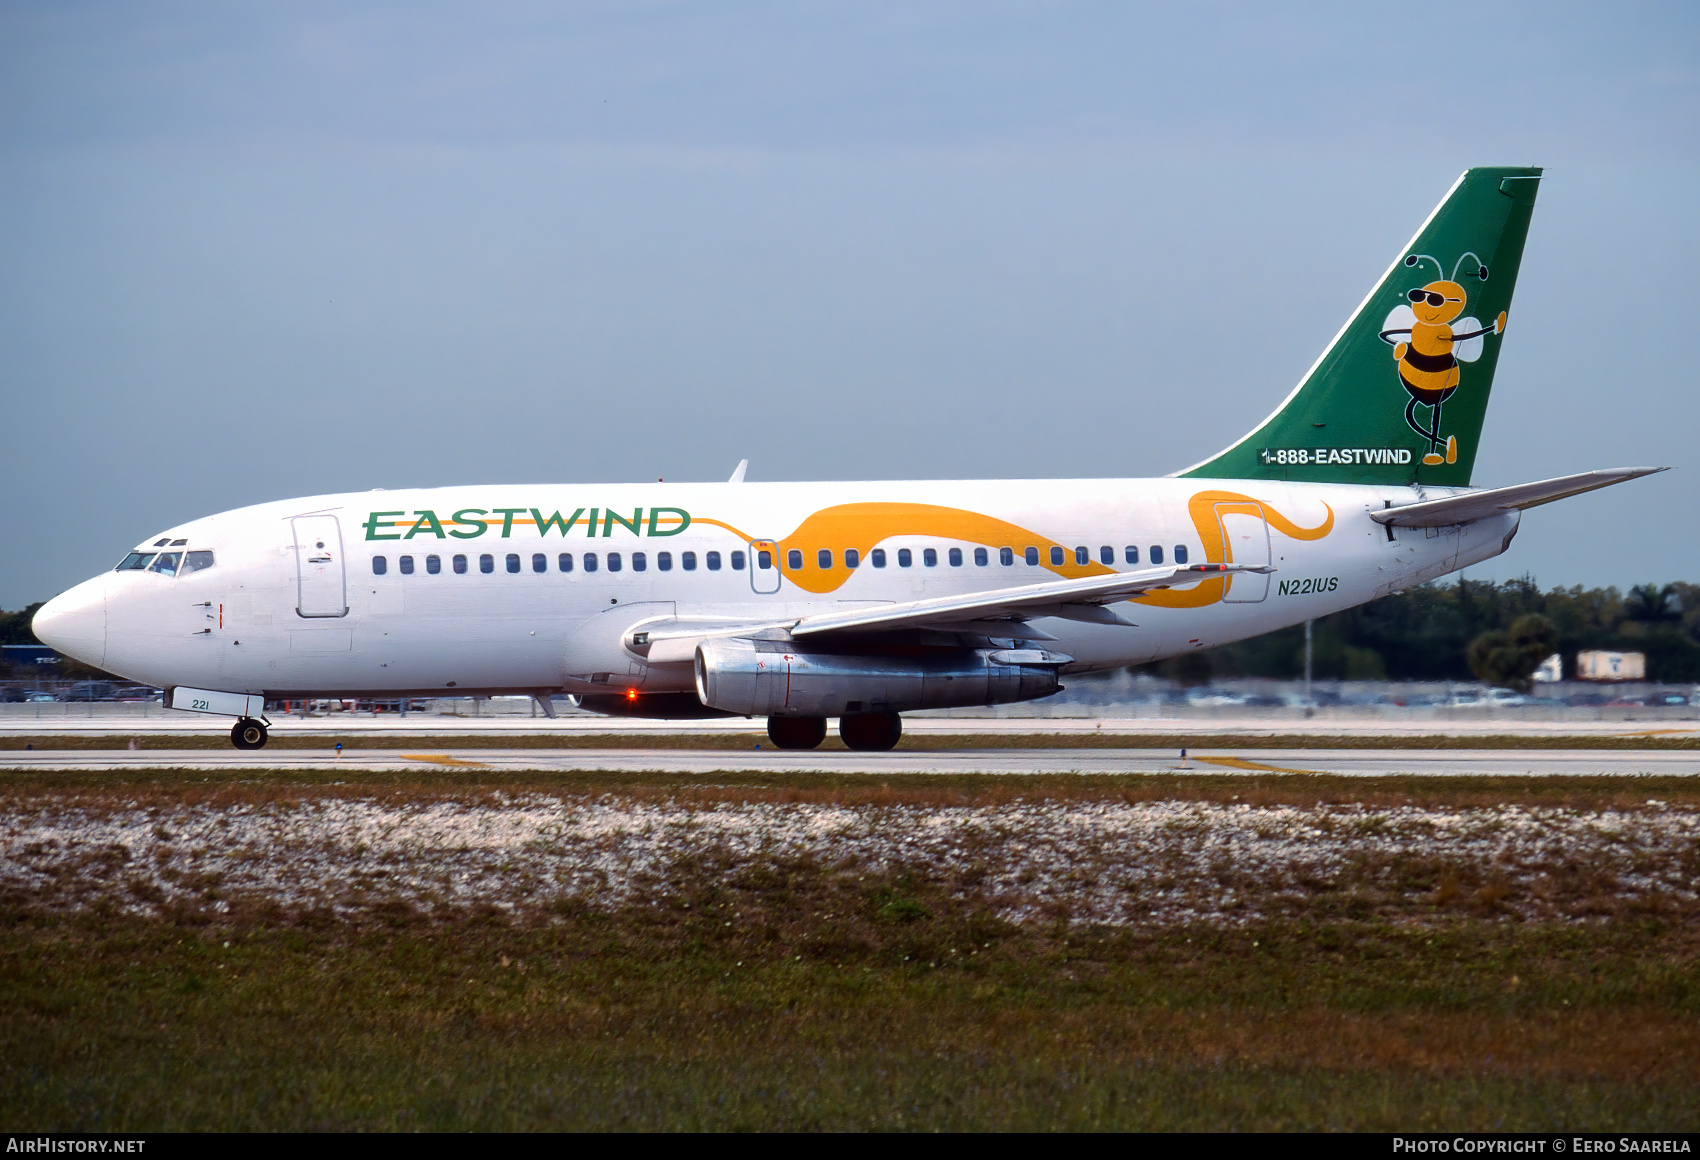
x=321, y=588
x=1245, y=536
x=764, y=565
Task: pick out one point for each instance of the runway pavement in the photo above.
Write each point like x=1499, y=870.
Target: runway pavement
x=394, y=731
x=1293, y=762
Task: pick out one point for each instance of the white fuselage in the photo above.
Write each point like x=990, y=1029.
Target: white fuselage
x=276, y=615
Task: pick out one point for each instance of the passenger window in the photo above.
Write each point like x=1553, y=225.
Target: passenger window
x=877, y=557
x=1156, y=553
x=712, y=559
x=614, y=562
x=539, y=562
x=1180, y=553
x=981, y=558
x=737, y=561
x=460, y=565
x=794, y=560
x=166, y=564
x=852, y=558
x=486, y=563
x=764, y=559
x=664, y=561
x=688, y=561
x=564, y=561
x=197, y=562
x=1132, y=554
x=640, y=561
x=905, y=557
x=433, y=564
x=1082, y=556
x=134, y=562
x=406, y=563
x=956, y=557
x=930, y=557
x=379, y=565
x=1056, y=554
x=1106, y=555
x=1006, y=556
x=824, y=558
x=590, y=561
x=513, y=563
x=1031, y=555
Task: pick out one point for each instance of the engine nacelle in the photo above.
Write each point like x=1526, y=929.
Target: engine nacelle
x=763, y=678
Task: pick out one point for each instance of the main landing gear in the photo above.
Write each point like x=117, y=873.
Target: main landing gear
x=876, y=731
x=867, y=731
x=248, y=734
x=796, y=732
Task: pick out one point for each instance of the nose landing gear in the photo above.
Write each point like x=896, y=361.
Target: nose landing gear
x=248, y=734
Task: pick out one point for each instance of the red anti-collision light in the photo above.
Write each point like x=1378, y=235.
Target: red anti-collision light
x=631, y=694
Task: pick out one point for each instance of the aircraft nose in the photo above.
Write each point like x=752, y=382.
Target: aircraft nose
x=74, y=622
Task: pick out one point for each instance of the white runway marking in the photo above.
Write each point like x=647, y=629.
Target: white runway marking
x=1290, y=762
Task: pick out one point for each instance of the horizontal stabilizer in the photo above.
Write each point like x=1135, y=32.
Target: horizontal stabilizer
x=1476, y=505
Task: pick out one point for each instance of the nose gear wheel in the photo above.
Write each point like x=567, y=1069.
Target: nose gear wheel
x=248, y=734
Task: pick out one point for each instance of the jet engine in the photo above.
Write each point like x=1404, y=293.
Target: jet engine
x=761, y=678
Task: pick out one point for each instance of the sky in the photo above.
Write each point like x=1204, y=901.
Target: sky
x=272, y=249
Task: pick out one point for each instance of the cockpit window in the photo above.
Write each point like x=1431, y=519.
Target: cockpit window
x=166, y=563
x=134, y=562
x=178, y=543
x=196, y=562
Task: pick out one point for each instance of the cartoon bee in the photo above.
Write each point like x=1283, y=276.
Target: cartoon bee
x=1433, y=345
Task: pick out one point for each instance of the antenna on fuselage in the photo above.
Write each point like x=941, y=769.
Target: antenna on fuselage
x=738, y=472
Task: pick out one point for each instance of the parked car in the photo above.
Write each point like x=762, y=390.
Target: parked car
x=1667, y=699
x=11, y=696
x=138, y=693
x=89, y=691
x=1208, y=698
x=36, y=696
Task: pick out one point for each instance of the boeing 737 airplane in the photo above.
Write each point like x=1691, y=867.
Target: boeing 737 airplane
x=800, y=602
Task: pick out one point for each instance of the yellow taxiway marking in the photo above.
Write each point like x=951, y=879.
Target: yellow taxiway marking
x=1241, y=763
x=443, y=759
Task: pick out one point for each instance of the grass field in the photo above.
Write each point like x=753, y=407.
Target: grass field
x=436, y=951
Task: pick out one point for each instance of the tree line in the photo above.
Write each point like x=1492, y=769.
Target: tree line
x=1472, y=630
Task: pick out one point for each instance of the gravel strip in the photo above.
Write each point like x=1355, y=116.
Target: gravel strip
x=1153, y=863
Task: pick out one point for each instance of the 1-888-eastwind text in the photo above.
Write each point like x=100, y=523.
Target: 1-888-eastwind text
x=1332, y=456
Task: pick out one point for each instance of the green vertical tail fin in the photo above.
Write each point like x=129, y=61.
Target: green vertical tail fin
x=1399, y=395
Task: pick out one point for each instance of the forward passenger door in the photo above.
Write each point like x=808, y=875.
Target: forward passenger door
x=321, y=584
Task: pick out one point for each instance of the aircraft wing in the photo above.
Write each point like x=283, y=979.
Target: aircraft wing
x=674, y=641
x=1475, y=505
x=1079, y=599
